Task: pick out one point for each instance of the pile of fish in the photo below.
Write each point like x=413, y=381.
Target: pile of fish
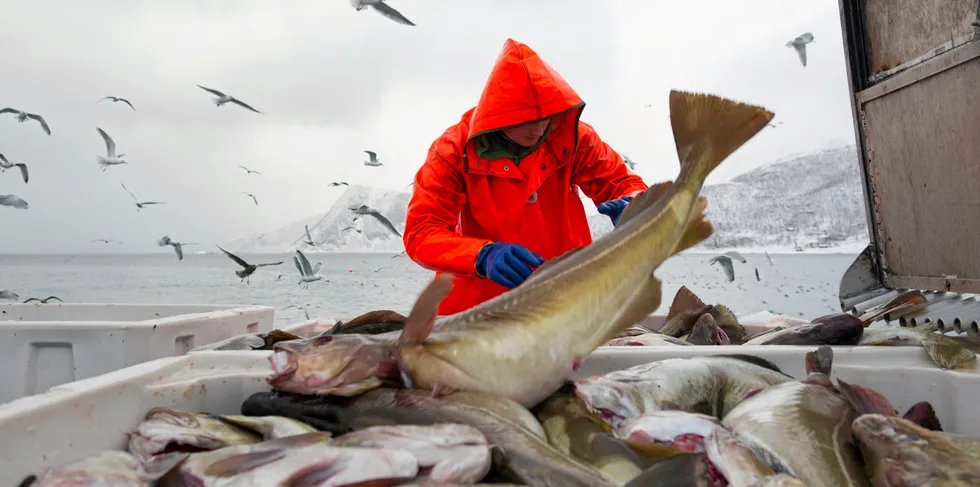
x=726, y=420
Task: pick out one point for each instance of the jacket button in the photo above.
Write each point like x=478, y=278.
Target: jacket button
x=506, y=168
x=478, y=164
x=543, y=167
x=564, y=151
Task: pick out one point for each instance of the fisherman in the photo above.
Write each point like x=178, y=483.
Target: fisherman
x=498, y=193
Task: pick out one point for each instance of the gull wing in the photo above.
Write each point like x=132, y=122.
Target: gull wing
x=213, y=92
x=384, y=221
x=234, y=257
x=801, y=51
x=110, y=145
x=9, y=110
x=308, y=237
x=4, y=159
x=306, y=270
x=243, y=104
x=179, y=251
x=44, y=125
x=387, y=11
x=737, y=256
x=23, y=171
x=726, y=265
x=268, y=263
x=806, y=37
x=130, y=192
x=316, y=268
x=372, y=156
x=128, y=103
x=13, y=201
x=299, y=266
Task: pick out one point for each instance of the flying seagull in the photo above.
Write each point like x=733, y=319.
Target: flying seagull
x=247, y=269
x=725, y=260
x=757, y=278
x=140, y=204
x=45, y=300
x=367, y=210
x=373, y=162
x=13, y=201
x=375, y=270
x=105, y=240
x=770, y=258
x=5, y=164
x=23, y=116
x=249, y=171
x=111, y=159
x=358, y=230
x=400, y=254
x=340, y=183
x=307, y=274
x=309, y=239
x=800, y=45
x=382, y=8
x=629, y=162
x=250, y=195
x=117, y=99
x=223, y=98
x=178, y=247
x=8, y=294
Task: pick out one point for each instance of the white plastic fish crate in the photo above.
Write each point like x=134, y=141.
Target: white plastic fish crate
x=91, y=415
x=45, y=345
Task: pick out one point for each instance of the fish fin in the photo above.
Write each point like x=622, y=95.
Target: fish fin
x=922, y=414
x=752, y=359
x=684, y=300
x=728, y=323
x=655, y=450
x=698, y=229
x=379, y=316
x=948, y=355
x=865, y=400
x=390, y=482
x=723, y=338
x=907, y=299
x=643, y=201
x=419, y=323
x=751, y=393
x=555, y=260
x=239, y=464
x=820, y=361
x=314, y=475
x=690, y=470
x=645, y=301
x=707, y=129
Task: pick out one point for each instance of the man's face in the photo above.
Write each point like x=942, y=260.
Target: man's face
x=527, y=134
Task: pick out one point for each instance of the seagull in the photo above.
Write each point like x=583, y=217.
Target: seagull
x=223, y=98
x=45, y=300
x=105, y=240
x=247, y=269
x=249, y=171
x=800, y=45
x=369, y=265
x=629, y=162
x=367, y=210
x=774, y=126
x=400, y=254
x=23, y=116
x=341, y=183
x=770, y=258
x=117, y=99
x=178, y=247
x=309, y=239
x=139, y=204
x=5, y=164
x=111, y=158
x=13, y=201
x=757, y=278
x=382, y=8
x=8, y=294
x=306, y=273
x=725, y=260
x=373, y=162
x=250, y=195
x=358, y=230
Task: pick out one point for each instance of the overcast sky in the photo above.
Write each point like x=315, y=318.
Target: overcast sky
x=333, y=82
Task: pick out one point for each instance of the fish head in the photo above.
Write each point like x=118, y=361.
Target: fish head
x=609, y=400
x=895, y=450
x=342, y=365
x=838, y=329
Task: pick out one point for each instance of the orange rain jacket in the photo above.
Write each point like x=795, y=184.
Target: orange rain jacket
x=461, y=202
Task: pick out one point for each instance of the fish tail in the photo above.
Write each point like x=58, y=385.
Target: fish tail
x=865, y=400
x=707, y=129
x=922, y=414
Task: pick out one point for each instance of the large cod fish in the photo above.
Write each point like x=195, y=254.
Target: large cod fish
x=524, y=343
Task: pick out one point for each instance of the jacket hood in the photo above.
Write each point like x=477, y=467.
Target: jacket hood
x=521, y=88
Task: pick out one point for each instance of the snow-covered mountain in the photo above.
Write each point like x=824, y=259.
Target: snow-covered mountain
x=808, y=200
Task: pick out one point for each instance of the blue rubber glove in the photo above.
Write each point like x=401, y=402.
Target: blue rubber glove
x=614, y=208
x=507, y=264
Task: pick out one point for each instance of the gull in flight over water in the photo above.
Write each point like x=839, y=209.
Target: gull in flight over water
x=307, y=274
x=43, y=301
x=399, y=254
x=800, y=45
x=116, y=99
x=358, y=230
x=338, y=183
x=111, y=159
x=23, y=116
x=250, y=195
x=5, y=164
x=382, y=8
x=774, y=125
x=13, y=201
x=247, y=269
x=106, y=240
x=375, y=270
x=140, y=204
x=8, y=294
x=373, y=159
x=249, y=171
x=223, y=98
x=178, y=247
x=309, y=239
x=629, y=162
x=725, y=261
x=367, y=210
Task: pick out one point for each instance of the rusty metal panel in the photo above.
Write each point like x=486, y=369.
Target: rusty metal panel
x=899, y=31
x=922, y=157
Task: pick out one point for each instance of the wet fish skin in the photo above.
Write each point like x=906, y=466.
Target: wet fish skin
x=707, y=332
x=802, y=428
x=739, y=464
x=690, y=470
x=676, y=428
x=270, y=427
x=647, y=340
x=164, y=427
x=454, y=453
x=967, y=444
x=900, y=453
x=836, y=329
x=524, y=343
x=342, y=365
x=707, y=385
x=111, y=468
x=946, y=352
x=370, y=323
x=521, y=455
